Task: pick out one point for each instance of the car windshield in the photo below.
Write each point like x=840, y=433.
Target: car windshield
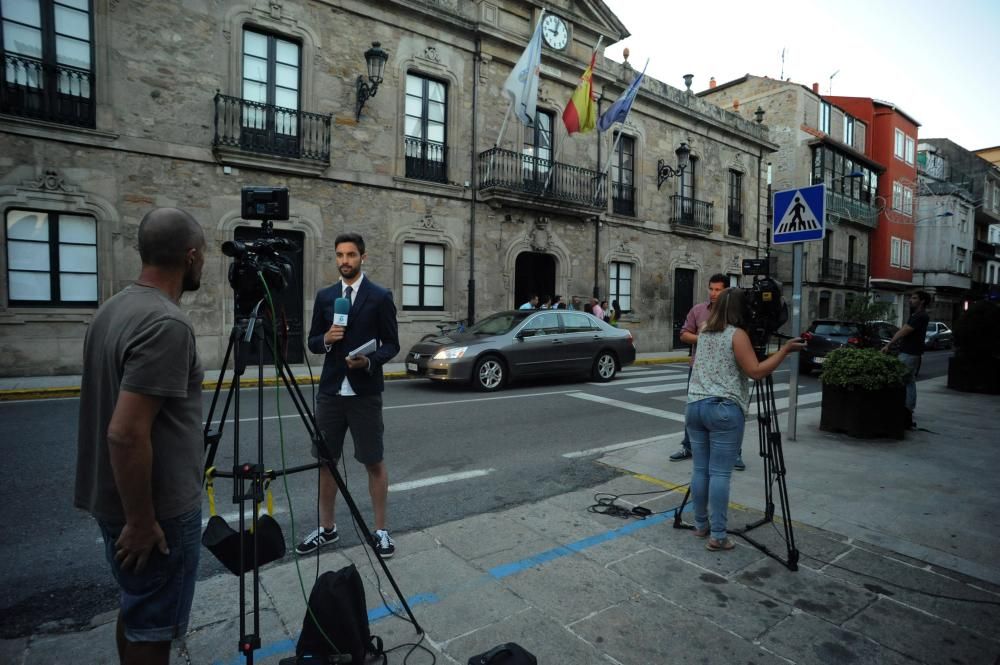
x=498, y=324
x=836, y=329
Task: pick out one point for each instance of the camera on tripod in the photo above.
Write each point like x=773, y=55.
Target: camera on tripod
x=260, y=261
x=764, y=310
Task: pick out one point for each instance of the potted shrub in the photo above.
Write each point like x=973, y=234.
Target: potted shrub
x=864, y=394
x=975, y=367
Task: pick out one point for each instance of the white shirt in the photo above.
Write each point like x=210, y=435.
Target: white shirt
x=346, y=390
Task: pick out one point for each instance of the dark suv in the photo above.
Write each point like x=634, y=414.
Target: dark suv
x=825, y=335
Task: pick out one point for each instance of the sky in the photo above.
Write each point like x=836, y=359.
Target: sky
x=939, y=61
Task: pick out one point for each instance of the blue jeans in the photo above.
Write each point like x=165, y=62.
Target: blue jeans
x=715, y=426
x=156, y=603
x=686, y=443
x=912, y=363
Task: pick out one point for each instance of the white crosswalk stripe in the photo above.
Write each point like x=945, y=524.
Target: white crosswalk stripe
x=648, y=410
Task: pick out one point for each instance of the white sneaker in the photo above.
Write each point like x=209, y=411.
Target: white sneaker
x=317, y=539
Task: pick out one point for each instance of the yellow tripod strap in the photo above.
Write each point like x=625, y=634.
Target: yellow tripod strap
x=210, y=489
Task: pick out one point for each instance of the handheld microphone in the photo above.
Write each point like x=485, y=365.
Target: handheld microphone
x=341, y=306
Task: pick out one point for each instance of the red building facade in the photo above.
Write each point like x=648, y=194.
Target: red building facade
x=891, y=140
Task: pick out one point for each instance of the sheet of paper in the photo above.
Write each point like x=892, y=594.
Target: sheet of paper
x=364, y=349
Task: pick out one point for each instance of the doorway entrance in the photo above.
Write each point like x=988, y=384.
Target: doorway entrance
x=683, y=300
x=534, y=272
x=288, y=302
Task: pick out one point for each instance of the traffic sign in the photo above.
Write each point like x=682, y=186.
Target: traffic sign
x=799, y=214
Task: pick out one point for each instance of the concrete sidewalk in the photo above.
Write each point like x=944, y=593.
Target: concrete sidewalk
x=897, y=543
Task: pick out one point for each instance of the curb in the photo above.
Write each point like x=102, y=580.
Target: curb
x=74, y=391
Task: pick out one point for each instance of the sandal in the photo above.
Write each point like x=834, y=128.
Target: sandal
x=714, y=545
x=702, y=533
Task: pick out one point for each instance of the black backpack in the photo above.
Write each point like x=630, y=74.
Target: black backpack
x=338, y=603
x=505, y=654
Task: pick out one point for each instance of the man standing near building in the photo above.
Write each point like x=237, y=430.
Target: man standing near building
x=911, y=348
x=596, y=309
x=350, y=387
x=140, y=447
x=696, y=318
x=531, y=304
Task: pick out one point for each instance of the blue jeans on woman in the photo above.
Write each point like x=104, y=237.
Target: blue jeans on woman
x=715, y=427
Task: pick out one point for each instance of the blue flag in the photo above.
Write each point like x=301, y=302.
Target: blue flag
x=620, y=109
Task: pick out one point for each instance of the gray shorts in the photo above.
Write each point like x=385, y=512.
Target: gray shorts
x=362, y=415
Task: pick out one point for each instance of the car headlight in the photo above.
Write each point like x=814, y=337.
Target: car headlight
x=450, y=354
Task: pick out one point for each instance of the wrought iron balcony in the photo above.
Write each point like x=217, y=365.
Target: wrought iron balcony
x=55, y=93
x=831, y=270
x=526, y=179
x=734, y=226
x=623, y=199
x=271, y=130
x=691, y=214
x=985, y=250
x=851, y=210
x=426, y=160
x=856, y=274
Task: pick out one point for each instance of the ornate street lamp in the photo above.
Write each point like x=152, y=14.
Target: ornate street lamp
x=375, y=59
x=664, y=171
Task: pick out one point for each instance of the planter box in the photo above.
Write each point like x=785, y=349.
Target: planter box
x=974, y=374
x=865, y=414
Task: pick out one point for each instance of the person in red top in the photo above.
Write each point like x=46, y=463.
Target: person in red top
x=696, y=318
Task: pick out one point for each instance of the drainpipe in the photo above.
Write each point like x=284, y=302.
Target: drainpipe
x=597, y=219
x=756, y=251
x=471, y=314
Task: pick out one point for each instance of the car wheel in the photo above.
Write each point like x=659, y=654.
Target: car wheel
x=605, y=367
x=490, y=374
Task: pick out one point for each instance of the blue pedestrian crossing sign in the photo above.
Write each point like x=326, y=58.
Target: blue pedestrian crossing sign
x=799, y=214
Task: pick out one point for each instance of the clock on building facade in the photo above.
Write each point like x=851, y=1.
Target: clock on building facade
x=555, y=32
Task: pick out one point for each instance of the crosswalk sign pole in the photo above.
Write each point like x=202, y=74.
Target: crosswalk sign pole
x=793, y=381
x=799, y=217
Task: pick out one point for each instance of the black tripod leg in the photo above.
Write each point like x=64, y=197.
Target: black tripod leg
x=678, y=522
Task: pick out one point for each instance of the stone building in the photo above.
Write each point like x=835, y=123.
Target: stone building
x=819, y=143
x=973, y=259
x=140, y=104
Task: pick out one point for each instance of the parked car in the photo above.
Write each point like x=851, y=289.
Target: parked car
x=938, y=336
x=825, y=335
x=511, y=345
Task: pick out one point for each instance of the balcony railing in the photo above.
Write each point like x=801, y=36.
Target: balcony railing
x=985, y=250
x=501, y=169
x=851, y=210
x=426, y=160
x=623, y=199
x=734, y=226
x=56, y=93
x=831, y=269
x=271, y=130
x=691, y=213
x=856, y=274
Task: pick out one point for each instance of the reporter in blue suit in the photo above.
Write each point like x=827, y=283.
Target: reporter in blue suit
x=350, y=389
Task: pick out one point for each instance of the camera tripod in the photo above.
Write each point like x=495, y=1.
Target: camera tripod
x=250, y=478
x=770, y=450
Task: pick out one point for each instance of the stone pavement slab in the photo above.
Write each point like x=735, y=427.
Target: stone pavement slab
x=809, y=640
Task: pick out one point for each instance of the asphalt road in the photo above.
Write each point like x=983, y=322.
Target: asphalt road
x=451, y=452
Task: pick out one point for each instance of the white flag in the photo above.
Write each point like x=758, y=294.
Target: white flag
x=522, y=84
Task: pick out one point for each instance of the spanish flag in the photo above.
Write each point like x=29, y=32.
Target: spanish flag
x=581, y=111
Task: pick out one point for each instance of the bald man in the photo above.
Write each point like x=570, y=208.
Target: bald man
x=140, y=449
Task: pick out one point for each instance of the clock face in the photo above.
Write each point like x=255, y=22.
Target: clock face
x=554, y=32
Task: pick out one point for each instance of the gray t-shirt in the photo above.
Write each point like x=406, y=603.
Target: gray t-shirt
x=140, y=341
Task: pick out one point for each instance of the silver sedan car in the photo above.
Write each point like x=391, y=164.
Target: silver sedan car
x=520, y=343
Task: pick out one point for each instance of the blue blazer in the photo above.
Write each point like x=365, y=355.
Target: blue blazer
x=372, y=316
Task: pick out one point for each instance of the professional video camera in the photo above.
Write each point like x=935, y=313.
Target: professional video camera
x=764, y=310
x=262, y=256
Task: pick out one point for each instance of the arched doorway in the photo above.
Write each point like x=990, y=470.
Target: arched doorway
x=534, y=272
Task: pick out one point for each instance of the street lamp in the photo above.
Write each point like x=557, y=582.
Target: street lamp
x=947, y=213
x=375, y=59
x=664, y=171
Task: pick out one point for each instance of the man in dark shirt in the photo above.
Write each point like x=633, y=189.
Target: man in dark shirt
x=911, y=348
